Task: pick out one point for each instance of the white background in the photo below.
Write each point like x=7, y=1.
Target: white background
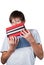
x=34, y=14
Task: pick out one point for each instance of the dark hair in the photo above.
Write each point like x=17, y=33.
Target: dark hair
x=17, y=14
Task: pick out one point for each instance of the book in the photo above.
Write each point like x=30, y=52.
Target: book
x=15, y=30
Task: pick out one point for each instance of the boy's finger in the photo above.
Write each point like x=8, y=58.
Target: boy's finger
x=21, y=35
x=15, y=39
x=28, y=31
x=11, y=38
x=24, y=31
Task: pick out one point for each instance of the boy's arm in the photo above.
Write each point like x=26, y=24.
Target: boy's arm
x=6, y=54
x=37, y=48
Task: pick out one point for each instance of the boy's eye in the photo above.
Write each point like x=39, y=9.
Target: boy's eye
x=17, y=20
x=12, y=22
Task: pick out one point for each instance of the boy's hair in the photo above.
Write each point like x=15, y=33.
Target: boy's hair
x=17, y=14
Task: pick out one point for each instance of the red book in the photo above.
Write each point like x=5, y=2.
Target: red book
x=15, y=30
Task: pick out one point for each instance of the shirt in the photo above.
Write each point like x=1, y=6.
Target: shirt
x=24, y=54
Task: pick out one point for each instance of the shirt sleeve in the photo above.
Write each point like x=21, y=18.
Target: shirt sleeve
x=36, y=36
x=5, y=45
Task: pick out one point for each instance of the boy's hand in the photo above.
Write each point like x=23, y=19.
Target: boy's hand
x=28, y=36
x=13, y=42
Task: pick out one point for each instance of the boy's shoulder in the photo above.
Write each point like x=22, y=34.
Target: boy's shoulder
x=33, y=31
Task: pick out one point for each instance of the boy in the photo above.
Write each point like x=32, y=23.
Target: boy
x=28, y=45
